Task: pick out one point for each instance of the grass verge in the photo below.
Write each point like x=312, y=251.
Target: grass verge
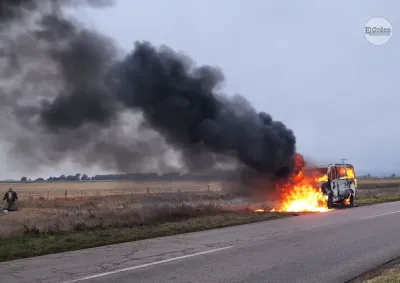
x=36, y=243
x=387, y=276
x=91, y=224
x=370, y=200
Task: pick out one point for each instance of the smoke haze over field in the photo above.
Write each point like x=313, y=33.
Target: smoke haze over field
x=68, y=94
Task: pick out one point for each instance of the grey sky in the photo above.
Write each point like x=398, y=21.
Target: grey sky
x=306, y=63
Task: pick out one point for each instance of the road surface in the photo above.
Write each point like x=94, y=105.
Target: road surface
x=327, y=247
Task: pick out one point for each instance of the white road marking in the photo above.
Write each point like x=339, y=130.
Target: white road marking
x=373, y=216
x=145, y=265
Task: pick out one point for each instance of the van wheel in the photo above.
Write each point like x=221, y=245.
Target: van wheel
x=330, y=201
x=351, y=199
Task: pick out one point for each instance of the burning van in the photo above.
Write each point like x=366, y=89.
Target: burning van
x=338, y=183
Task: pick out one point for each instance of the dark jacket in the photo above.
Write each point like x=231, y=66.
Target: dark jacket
x=14, y=196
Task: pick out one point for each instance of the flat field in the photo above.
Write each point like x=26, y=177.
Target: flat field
x=395, y=180
x=68, y=189
x=45, y=205
x=73, y=189
x=119, y=207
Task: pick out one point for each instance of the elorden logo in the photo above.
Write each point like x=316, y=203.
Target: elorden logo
x=378, y=31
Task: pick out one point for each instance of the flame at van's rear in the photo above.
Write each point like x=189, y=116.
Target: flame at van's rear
x=301, y=193
x=346, y=172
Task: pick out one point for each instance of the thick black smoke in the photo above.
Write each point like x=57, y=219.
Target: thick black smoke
x=180, y=101
x=88, y=95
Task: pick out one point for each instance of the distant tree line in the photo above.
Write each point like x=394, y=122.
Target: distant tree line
x=367, y=176
x=217, y=176
x=137, y=177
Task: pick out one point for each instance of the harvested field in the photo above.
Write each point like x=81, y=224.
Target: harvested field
x=74, y=189
x=379, y=180
x=51, y=190
x=379, y=183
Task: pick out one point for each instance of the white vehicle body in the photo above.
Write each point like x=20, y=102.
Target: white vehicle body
x=339, y=184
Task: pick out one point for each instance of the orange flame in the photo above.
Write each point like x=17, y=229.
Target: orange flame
x=342, y=172
x=323, y=178
x=301, y=193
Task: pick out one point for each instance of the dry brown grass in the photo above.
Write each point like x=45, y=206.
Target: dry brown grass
x=58, y=215
x=379, y=180
x=378, y=185
x=118, y=210
x=68, y=189
x=388, y=276
x=88, y=221
x=35, y=243
x=101, y=188
x=56, y=225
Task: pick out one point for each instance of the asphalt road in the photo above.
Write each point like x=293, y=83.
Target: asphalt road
x=328, y=247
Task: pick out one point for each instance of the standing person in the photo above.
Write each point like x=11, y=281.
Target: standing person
x=10, y=197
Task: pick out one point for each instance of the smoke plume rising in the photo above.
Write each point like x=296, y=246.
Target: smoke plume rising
x=67, y=93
